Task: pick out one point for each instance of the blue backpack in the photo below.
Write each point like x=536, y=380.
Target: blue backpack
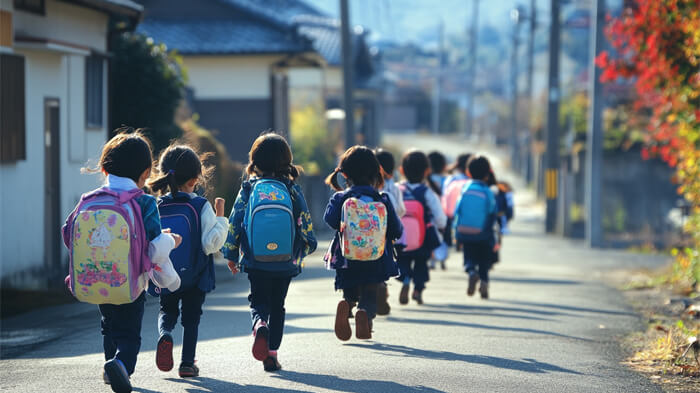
x=269, y=225
x=180, y=213
x=475, y=212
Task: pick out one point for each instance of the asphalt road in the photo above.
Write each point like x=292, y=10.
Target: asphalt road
x=551, y=325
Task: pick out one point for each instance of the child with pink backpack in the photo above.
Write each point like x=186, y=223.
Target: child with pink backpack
x=116, y=243
x=423, y=219
x=362, y=250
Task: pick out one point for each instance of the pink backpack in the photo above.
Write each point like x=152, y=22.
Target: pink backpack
x=451, y=196
x=414, y=225
x=108, y=247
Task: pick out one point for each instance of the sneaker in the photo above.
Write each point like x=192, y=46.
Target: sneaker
x=118, y=377
x=271, y=364
x=342, y=324
x=484, y=290
x=403, y=296
x=383, y=307
x=105, y=377
x=473, y=279
x=260, y=347
x=188, y=370
x=417, y=296
x=362, y=325
x=164, y=353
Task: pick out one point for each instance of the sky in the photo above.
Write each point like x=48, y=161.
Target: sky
x=418, y=20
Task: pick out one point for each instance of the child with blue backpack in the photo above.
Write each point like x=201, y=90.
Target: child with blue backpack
x=362, y=250
x=423, y=219
x=473, y=224
x=270, y=233
x=116, y=242
x=203, y=230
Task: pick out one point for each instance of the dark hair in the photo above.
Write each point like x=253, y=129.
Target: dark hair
x=415, y=164
x=270, y=155
x=437, y=162
x=479, y=167
x=177, y=165
x=461, y=163
x=128, y=154
x=492, y=179
x=386, y=160
x=361, y=167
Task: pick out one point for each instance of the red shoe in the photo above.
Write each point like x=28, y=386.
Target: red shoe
x=164, y=353
x=260, y=345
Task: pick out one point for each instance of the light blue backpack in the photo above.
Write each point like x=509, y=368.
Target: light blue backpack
x=475, y=212
x=269, y=224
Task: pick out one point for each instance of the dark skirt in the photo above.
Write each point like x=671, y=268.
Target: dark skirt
x=478, y=251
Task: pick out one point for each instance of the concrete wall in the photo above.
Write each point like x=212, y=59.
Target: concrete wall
x=59, y=75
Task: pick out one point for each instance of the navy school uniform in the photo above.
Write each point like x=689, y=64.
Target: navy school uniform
x=358, y=279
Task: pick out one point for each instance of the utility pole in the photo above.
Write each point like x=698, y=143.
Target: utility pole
x=594, y=151
x=473, y=55
x=437, y=89
x=348, y=104
x=552, y=153
x=530, y=77
x=516, y=16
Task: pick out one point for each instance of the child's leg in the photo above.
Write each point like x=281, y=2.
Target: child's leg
x=277, y=311
x=169, y=312
x=484, y=267
x=420, y=273
x=110, y=348
x=258, y=298
x=469, y=265
x=368, y=299
x=126, y=330
x=192, y=302
x=405, y=269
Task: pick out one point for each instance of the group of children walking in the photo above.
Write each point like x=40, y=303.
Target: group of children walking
x=123, y=242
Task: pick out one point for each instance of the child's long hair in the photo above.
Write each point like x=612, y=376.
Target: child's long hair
x=177, y=165
x=361, y=168
x=128, y=154
x=271, y=156
x=461, y=164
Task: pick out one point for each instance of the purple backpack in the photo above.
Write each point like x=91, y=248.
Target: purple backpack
x=108, y=247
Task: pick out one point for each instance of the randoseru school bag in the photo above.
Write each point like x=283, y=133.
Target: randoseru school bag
x=474, y=211
x=107, y=246
x=418, y=229
x=181, y=213
x=363, y=227
x=269, y=222
x=451, y=196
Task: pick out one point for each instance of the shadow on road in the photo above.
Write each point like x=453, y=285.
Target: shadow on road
x=211, y=385
x=525, y=364
x=534, y=281
x=521, y=310
x=443, y=322
x=567, y=308
x=479, y=314
x=332, y=382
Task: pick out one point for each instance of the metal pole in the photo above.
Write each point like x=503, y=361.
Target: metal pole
x=347, y=74
x=473, y=48
x=514, y=142
x=437, y=89
x=530, y=77
x=594, y=151
x=552, y=153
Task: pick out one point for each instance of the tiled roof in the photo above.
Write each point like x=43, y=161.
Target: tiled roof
x=281, y=11
x=325, y=40
x=242, y=36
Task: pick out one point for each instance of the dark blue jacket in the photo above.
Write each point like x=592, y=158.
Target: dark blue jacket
x=350, y=274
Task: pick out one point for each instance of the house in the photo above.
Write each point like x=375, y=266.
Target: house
x=237, y=54
x=53, y=118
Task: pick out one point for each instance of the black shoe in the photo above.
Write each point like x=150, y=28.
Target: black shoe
x=417, y=296
x=484, y=290
x=118, y=377
x=473, y=279
x=383, y=307
x=271, y=364
x=442, y=265
x=403, y=296
x=188, y=370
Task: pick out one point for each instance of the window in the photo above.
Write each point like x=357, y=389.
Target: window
x=94, y=89
x=12, y=111
x=34, y=6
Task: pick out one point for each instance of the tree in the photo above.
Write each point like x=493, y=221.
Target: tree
x=147, y=86
x=657, y=46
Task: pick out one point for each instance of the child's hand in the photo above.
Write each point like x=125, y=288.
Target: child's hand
x=233, y=267
x=219, y=204
x=176, y=237
x=497, y=247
